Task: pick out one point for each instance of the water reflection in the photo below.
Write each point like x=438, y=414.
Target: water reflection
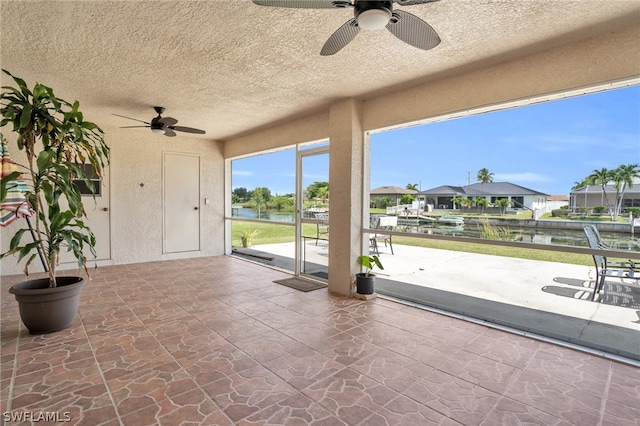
x=551, y=236
x=248, y=213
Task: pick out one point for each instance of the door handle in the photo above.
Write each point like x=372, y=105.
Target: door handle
x=105, y=209
x=195, y=208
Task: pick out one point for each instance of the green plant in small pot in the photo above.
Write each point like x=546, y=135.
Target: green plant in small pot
x=365, y=281
x=57, y=142
x=247, y=237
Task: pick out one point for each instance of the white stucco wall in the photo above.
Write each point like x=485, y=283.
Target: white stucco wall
x=136, y=211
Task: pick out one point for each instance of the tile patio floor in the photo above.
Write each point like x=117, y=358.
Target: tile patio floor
x=215, y=341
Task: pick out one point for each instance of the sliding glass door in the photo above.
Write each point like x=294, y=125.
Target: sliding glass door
x=312, y=189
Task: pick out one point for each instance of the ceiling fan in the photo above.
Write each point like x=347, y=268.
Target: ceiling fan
x=369, y=15
x=163, y=125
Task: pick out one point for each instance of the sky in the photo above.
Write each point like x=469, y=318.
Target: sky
x=547, y=147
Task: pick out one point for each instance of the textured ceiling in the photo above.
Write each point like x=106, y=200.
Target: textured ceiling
x=229, y=67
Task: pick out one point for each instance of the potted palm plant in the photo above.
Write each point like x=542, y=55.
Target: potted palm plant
x=247, y=237
x=57, y=142
x=365, y=281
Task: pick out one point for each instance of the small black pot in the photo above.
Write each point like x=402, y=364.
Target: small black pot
x=364, y=284
x=44, y=309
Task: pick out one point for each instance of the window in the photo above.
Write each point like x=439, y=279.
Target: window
x=517, y=202
x=85, y=189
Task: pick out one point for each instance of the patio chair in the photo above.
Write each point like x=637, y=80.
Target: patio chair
x=605, y=270
x=628, y=264
x=322, y=225
x=382, y=222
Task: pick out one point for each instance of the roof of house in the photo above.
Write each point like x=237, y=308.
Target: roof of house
x=391, y=190
x=558, y=198
x=609, y=189
x=634, y=189
x=482, y=189
x=444, y=190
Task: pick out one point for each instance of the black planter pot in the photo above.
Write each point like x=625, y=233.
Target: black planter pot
x=364, y=284
x=44, y=309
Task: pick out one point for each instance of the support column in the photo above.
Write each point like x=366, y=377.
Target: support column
x=346, y=171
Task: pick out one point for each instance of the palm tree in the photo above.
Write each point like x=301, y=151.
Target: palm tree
x=578, y=185
x=455, y=201
x=602, y=177
x=622, y=178
x=412, y=186
x=464, y=202
x=482, y=203
x=504, y=203
x=484, y=176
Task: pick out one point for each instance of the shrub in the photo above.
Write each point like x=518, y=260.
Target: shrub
x=635, y=211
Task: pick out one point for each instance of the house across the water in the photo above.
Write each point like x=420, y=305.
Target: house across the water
x=444, y=197
x=591, y=196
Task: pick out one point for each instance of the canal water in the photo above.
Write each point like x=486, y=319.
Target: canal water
x=570, y=237
x=550, y=236
x=247, y=213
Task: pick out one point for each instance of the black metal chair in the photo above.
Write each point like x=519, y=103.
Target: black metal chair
x=604, y=270
x=626, y=264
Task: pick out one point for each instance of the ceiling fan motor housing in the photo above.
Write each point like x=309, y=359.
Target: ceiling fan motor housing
x=373, y=15
x=157, y=126
x=164, y=125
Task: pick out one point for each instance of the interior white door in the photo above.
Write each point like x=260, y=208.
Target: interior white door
x=181, y=178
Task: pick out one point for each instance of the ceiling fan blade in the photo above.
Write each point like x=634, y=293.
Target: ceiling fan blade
x=187, y=130
x=168, y=121
x=412, y=2
x=299, y=4
x=133, y=127
x=134, y=119
x=341, y=37
x=413, y=30
x=169, y=133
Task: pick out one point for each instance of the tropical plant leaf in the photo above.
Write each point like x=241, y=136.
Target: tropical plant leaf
x=5, y=181
x=25, y=250
x=54, y=136
x=25, y=117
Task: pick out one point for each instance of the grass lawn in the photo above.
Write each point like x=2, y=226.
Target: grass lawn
x=517, y=252
x=272, y=234
x=589, y=218
x=268, y=233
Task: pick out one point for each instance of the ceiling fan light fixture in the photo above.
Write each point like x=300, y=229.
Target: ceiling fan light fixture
x=373, y=19
x=164, y=125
